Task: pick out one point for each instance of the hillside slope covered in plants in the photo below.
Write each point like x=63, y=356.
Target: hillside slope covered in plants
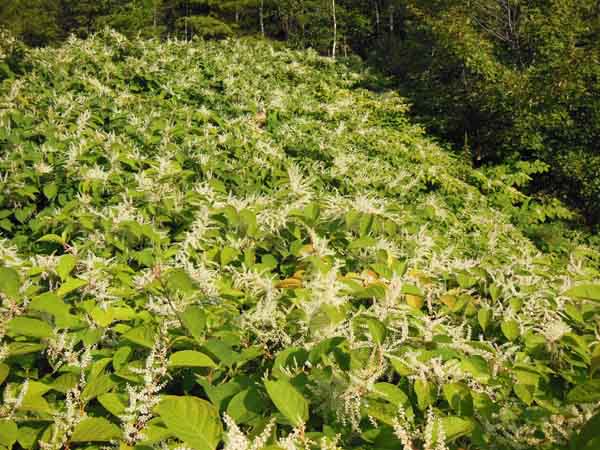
x=228, y=244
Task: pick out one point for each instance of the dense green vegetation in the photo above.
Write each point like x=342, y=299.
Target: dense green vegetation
x=235, y=244
x=503, y=81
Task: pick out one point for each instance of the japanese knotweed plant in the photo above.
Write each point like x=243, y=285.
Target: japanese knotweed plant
x=234, y=244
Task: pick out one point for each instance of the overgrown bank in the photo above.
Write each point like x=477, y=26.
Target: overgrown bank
x=201, y=237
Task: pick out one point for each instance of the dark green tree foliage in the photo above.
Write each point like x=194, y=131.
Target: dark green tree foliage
x=13, y=56
x=136, y=17
x=36, y=22
x=509, y=81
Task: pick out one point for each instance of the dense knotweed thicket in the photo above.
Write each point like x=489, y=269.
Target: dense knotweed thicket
x=208, y=244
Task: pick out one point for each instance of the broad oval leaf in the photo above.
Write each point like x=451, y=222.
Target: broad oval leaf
x=246, y=406
x=456, y=427
x=193, y=420
x=9, y=282
x=66, y=264
x=510, y=329
x=142, y=335
x=426, y=393
x=25, y=326
x=98, y=386
x=95, y=429
x=8, y=433
x=585, y=292
x=288, y=401
x=114, y=403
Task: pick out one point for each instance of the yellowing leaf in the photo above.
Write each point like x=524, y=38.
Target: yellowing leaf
x=415, y=301
x=289, y=283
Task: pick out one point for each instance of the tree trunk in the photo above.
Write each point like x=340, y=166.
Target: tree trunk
x=391, y=19
x=377, y=18
x=333, y=50
x=261, y=18
x=187, y=14
x=155, y=14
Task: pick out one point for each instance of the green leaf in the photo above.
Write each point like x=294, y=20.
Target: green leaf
x=201, y=427
x=95, y=429
x=459, y=397
x=4, y=371
x=51, y=303
x=426, y=394
x=391, y=393
x=142, y=335
x=153, y=434
x=25, y=326
x=98, y=386
x=220, y=350
x=103, y=317
x=229, y=254
x=50, y=190
x=595, y=361
x=114, y=403
x=65, y=382
x=589, y=436
x=121, y=357
x=8, y=432
x=246, y=406
x=24, y=348
x=288, y=401
x=194, y=320
x=221, y=394
x=190, y=358
x=399, y=366
x=484, y=315
x=288, y=358
x=30, y=433
x=9, y=282
x=362, y=242
x=70, y=285
x=411, y=289
x=456, y=427
x=23, y=214
x=65, y=265
x=525, y=392
x=588, y=392
x=466, y=281
x=179, y=280
x=510, y=329
x=55, y=238
x=585, y=292
x=33, y=400
x=376, y=329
